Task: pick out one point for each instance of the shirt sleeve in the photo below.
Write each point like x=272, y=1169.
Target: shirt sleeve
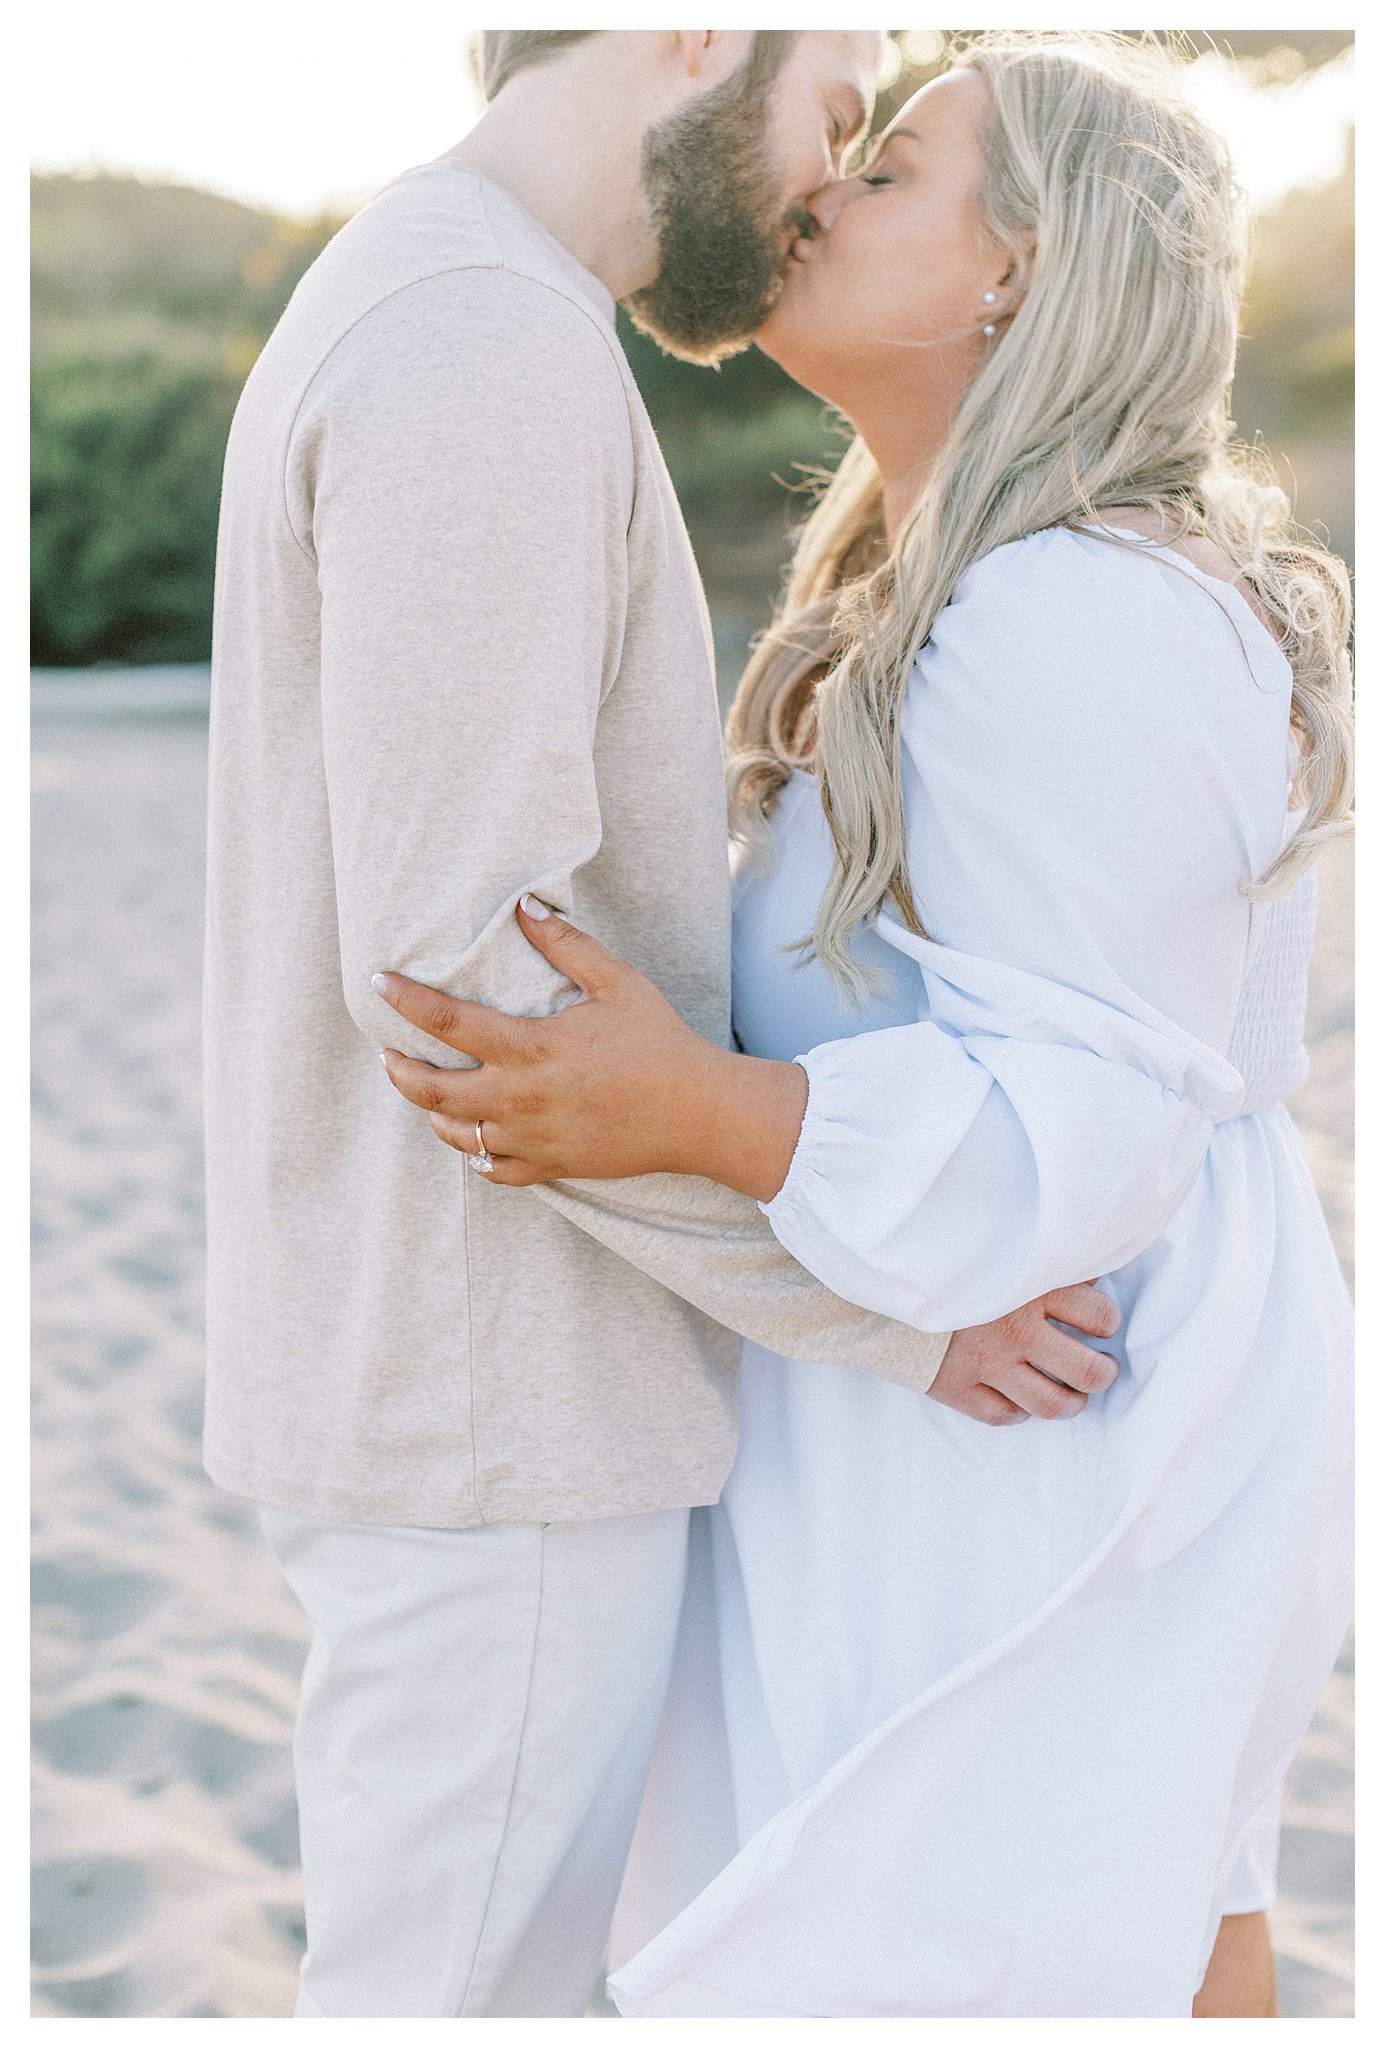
x=466, y=504
x=1092, y=766
x=713, y=1247
x=467, y=518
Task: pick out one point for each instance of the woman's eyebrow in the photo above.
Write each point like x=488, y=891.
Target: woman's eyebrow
x=878, y=142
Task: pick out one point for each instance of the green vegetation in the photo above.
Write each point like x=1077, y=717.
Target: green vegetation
x=151, y=302
x=742, y=443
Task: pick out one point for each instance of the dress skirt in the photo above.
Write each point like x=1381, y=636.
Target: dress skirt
x=994, y=1722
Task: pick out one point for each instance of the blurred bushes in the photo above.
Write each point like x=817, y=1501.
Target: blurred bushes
x=151, y=302
x=739, y=441
x=126, y=478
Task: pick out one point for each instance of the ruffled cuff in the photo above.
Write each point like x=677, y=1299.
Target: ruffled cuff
x=828, y=1213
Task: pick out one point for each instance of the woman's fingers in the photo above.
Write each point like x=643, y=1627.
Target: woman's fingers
x=458, y=1093
x=460, y=1136
x=585, y=962
x=467, y=1027
x=502, y=1172
x=1085, y=1307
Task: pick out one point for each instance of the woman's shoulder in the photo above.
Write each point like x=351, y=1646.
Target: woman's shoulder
x=1052, y=599
x=1061, y=572
x=1067, y=593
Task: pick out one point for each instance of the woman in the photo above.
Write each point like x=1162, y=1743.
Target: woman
x=1056, y=868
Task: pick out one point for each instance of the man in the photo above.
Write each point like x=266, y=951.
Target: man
x=462, y=653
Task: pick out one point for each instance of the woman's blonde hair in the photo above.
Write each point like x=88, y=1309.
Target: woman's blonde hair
x=1109, y=388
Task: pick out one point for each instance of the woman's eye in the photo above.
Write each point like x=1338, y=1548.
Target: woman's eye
x=868, y=170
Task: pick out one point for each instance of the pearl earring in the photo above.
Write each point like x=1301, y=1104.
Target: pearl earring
x=989, y=299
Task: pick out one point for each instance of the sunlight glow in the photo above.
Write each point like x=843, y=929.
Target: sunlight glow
x=297, y=106
x=308, y=105
x=1280, y=135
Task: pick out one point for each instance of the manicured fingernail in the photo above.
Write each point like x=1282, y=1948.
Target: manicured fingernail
x=378, y=981
x=384, y=1063
x=532, y=907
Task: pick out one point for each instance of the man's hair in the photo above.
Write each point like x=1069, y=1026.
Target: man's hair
x=500, y=52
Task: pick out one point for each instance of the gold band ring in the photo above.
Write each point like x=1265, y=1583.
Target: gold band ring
x=481, y=1159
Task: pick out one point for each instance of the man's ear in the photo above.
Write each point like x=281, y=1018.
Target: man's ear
x=694, y=45
x=711, y=54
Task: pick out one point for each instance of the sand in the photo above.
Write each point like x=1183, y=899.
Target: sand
x=167, y=1650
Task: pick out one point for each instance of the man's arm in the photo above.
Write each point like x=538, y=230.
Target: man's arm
x=715, y=1248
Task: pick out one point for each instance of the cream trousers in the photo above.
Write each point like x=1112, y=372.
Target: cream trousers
x=477, y=1714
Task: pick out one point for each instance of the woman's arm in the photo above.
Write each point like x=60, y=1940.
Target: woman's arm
x=1093, y=764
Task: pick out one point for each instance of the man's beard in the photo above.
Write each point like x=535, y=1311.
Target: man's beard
x=721, y=229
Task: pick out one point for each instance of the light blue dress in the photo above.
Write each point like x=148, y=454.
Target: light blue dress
x=974, y=1722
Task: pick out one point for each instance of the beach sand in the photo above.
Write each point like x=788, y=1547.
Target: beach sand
x=167, y=1649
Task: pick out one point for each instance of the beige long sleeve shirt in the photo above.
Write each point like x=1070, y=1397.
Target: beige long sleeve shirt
x=461, y=651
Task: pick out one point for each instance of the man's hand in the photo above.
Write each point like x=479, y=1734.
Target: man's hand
x=1025, y=1365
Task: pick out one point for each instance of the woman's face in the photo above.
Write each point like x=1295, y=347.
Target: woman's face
x=903, y=258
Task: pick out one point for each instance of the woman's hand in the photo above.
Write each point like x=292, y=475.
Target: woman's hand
x=614, y=1085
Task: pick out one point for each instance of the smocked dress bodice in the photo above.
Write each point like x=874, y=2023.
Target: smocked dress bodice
x=784, y=1003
